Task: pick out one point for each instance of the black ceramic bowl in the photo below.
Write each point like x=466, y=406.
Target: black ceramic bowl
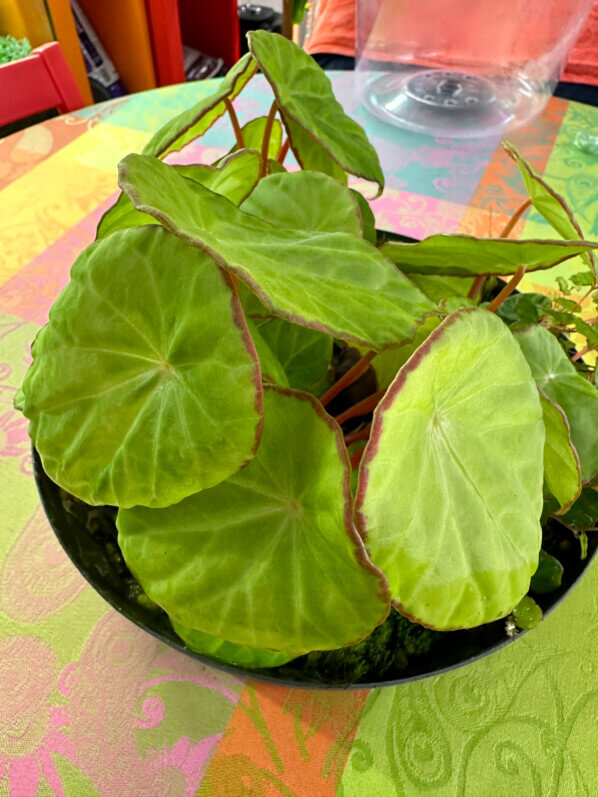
x=88, y=535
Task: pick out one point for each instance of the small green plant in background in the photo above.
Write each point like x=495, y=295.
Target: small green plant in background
x=12, y=49
x=190, y=375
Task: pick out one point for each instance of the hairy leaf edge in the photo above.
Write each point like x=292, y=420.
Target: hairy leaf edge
x=284, y=113
x=377, y=429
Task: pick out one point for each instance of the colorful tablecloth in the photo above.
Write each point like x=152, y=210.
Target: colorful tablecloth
x=90, y=704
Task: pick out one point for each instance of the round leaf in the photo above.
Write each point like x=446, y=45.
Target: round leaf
x=270, y=558
x=561, y=463
x=450, y=485
x=227, y=652
x=557, y=377
x=305, y=201
x=145, y=386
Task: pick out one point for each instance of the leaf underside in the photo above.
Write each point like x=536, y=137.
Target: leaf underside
x=270, y=558
x=253, y=136
x=464, y=255
x=450, y=486
x=195, y=121
x=127, y=397
x=227, y=652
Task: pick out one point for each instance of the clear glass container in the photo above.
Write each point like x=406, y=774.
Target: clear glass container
x=463, y=68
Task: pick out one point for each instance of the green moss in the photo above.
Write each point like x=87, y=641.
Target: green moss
x=387, y=650
x=12, y=49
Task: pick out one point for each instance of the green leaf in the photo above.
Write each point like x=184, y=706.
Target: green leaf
x=120, y=216
x=305, y=201
x=459, y=429
x=127, y=397
x=464, y=256
x=274, y=167
x=270, y=558
x=331, y=282
x=386, y=364
x=253, y=136
x=195, y=121
x=304, y=95
x=299, y=9
x=583, y=545
x=303, y=353
x=561, y=463
x=583, y=278
x=557, y=377
x=438, y=288
x=590, y=332
x=227, y=652
x=563, y=284
x=310, y=154
x=270, y=365
x=453, y=303
x=368, y=220
x=235, y=178
x=524, y=308
x=527, y=614
x=548, y=576
x=583, y=515
x=548, y=203
x=566, y=304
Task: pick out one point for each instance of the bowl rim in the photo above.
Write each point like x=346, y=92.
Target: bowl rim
x=45, y=487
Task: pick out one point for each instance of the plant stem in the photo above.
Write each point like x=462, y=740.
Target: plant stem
x=580, y=354
x=347, y=379
x=357, y=435
x=476, y=286
x=235, y=123
x=356, y=458
x=507, y=290
x=479, y=280
x=361, y=408
x=515, y=218
x=284, y=150
x=266, y=139
x=585, y=296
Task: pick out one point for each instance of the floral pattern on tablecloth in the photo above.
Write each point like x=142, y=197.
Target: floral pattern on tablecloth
x=92, y=705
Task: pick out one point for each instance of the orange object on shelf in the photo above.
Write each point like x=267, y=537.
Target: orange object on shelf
x=25, y=19
x=122, y=28
x=64, y=30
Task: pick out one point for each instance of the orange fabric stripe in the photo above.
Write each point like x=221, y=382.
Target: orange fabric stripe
x=282, y=741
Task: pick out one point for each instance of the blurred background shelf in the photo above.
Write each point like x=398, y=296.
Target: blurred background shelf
x=146, y=40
